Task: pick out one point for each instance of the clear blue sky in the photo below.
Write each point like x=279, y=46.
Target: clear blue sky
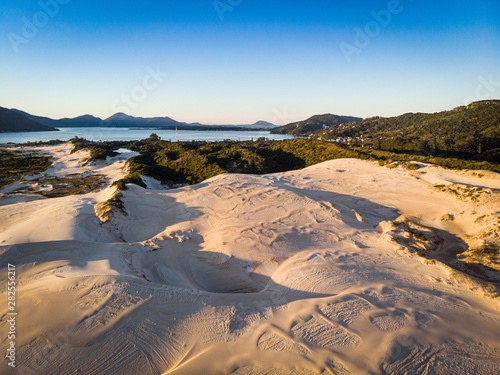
x=273, y=60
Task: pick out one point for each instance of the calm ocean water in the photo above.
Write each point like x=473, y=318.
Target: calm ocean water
x=120, y=134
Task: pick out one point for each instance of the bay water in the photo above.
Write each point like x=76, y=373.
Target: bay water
x=124, y=134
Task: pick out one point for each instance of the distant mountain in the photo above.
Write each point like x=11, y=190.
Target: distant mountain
x=11, y=121
x=262, y=124
x=314, y=123
x=85, y=121
x=122, y=120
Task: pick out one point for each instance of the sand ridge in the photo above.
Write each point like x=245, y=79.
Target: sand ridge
x=289, y=273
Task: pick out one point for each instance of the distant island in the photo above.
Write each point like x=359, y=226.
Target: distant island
x=122, y=120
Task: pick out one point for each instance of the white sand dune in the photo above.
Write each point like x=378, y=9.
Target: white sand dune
x=289, y=273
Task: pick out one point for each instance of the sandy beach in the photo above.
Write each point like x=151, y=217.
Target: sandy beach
x=304, y=272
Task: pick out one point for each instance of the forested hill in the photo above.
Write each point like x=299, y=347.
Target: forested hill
x=312, y=124
x=11, y=121
x=468, y=130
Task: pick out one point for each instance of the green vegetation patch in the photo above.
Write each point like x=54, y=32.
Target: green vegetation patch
x=413, y=235
x=71, y=185
x=388, y=157
x=175, y=163
x=487, y=254
x=56, y=187
x=194, y=162
x=410, y=166
x=53, y=142
x=467, y=192
x=104, y=209
x=98, y=150
x=14, y=165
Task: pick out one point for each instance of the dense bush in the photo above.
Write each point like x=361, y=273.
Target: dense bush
x=183, y=162
x=192, y=162
x=98, y=150
x=14, y=165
